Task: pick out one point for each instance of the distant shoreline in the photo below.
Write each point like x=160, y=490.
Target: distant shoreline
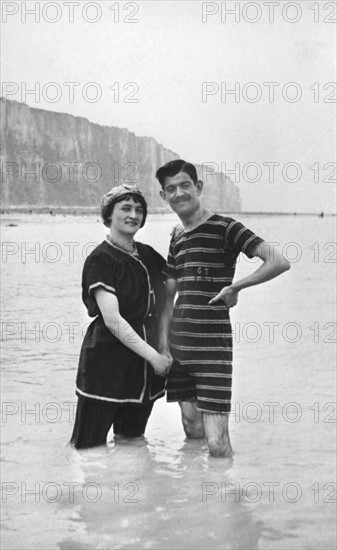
x=80, y=210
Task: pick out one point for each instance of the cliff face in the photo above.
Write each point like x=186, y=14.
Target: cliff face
x=55, y=159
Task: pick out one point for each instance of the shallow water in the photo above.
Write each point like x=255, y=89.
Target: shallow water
x=277, y=492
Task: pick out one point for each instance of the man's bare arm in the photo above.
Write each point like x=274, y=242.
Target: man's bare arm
x=273, y=265
x=164, y=322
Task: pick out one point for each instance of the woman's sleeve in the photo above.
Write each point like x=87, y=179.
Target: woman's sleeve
x=96, y=274
x=241, y=239
x=170, y=267
x=159, y=260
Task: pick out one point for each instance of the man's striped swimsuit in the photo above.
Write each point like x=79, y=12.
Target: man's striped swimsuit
x=202, y=261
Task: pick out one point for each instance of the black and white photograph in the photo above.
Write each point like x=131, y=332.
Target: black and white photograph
x=168, y=275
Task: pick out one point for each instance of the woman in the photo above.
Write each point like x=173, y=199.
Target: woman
x=120, y=373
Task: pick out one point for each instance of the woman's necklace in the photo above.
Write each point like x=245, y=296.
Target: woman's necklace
x=131, y=248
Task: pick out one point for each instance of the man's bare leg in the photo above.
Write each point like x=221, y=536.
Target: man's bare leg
x=192, y=419
x=217, y=434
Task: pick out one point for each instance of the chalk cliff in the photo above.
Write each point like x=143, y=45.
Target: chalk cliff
x=56, y=159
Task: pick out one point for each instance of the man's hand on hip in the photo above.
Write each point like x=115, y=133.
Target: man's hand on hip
x=227, y=295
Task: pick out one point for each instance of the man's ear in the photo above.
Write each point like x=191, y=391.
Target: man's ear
x=199, y=185
x=162, y=194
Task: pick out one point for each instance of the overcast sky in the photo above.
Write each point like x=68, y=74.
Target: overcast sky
x=167, y=50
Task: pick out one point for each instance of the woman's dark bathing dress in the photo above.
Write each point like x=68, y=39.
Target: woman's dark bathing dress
x=114, y=384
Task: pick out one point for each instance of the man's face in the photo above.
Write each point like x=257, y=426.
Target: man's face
x=182, y=194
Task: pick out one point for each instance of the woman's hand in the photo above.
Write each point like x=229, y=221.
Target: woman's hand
x=161, y=364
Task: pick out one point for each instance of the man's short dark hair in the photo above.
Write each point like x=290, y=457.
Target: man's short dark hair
x=107, y=209
x=173, y=168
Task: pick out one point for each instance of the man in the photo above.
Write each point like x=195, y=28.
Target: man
x=200, y=267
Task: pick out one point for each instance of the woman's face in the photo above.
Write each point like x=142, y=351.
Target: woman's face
x=126, y=217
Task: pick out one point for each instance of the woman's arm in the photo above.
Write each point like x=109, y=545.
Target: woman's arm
x=121, y=329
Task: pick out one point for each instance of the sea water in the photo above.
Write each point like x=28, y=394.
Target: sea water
x=279, y=489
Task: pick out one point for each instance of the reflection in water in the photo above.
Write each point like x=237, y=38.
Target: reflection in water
x=152, y=495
